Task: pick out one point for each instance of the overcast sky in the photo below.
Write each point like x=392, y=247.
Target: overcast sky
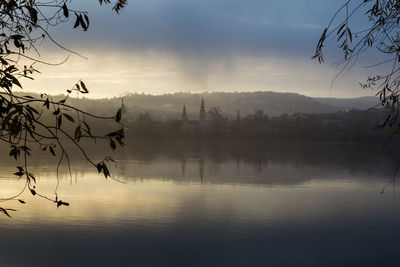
x=162, y=46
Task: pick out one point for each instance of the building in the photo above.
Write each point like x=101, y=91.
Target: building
x=184, y=114
x=202, y=115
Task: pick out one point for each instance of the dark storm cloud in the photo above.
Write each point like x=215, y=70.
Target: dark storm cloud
x=209, y=28
x=172, y=45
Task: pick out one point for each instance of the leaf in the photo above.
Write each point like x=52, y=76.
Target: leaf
x=341, y=28
x=17, y=44
x=84, y=88
x=99, y=167
x=120, y=4
x=87, y=20
x=62, y=203
x=76, y=21
x=14, y=152
x=21, y=201
x=33, y=192
x=113, y=145
x=15, y=81
x=65, y=11
x=102, y=167
x=5, y=211
x=116, y=133
x=78, y=133
x=33, y=14
x=340, y=37
x=83, y=23
x=11, y=69
x=30, y=176
x=19, y=174
x=118, y=116
x=322, y=38
x=16, y=37
x=105, y=170
x=120, y=142
x=350, y=35
x=52, y=151
x=69, y=117
x=59, y=121
x=56, y=112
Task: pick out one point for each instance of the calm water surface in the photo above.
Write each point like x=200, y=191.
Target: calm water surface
x=278, y=209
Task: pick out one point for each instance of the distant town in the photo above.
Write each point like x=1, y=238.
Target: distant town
x=262, y=116
x=344, y=126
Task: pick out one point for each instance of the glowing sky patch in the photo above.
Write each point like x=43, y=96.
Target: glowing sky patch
x=225, y=45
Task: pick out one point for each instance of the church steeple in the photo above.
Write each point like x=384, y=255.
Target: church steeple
x=184, y=115
x=202, y=115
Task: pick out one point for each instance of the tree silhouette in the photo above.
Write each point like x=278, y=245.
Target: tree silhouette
x=28, y=121
x=379, y=33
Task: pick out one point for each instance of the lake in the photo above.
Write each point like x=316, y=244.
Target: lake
x=289, y=204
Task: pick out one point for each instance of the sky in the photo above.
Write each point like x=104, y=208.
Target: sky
x=166, y=46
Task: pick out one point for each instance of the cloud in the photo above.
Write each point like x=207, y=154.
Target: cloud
x=206, y=28
x=173, y=45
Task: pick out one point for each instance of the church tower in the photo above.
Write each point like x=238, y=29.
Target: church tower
x=202, y=117
x=184, y=114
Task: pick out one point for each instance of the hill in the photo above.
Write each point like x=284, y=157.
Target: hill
x=360, y=103
x=169, y=106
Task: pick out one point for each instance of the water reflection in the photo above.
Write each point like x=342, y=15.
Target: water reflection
x=215, y=207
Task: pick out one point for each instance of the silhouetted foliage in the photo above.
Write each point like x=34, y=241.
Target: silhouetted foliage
x=380, y=33
x=29, y=121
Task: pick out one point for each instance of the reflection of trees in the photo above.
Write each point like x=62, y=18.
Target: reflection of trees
x=183, y=163
x=201, y=168
x=351, y=157
x=259, y=162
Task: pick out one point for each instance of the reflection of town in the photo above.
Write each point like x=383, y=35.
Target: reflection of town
x=201, y=163
x=227, y=162
x=214, y=124
x=279, y=164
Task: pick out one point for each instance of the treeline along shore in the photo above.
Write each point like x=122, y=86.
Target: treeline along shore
x=343, y=126
x=240, y=117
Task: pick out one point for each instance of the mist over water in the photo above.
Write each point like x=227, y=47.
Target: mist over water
x=186, y=205
x=199, y=133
